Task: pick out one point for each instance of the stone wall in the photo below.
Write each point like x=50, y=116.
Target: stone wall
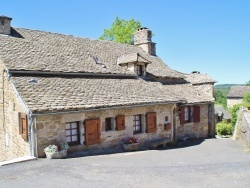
x=245, y=128
x=51, y=129
x=11, y=143
x=201, y=129
x=231, y=102
x=205, y=88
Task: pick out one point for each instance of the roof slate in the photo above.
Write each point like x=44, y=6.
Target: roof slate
x=59, y=94
x=238, y=91
x=45, y=51
x=197, y=78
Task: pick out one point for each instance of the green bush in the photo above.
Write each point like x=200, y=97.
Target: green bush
x=234, y=111
x=224, y=128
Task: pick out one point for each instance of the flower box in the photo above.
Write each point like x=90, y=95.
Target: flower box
x=56, y=155
x=131, y=147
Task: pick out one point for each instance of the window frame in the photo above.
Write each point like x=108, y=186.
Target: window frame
x=139, y=70
x=111, y=123
x=71, y=135
x=134, y=123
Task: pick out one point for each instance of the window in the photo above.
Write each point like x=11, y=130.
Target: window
x=189, y=114
x=23, y=126
x=166, y=118
x=108, y=124
x=137, y=124
x=139, y=70
x=72, y=133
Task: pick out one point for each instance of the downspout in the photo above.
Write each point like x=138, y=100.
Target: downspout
x=3, y=111
x=29, y=115
x=36, y=140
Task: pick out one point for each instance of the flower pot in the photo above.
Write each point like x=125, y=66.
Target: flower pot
x=56, y=155
x=131, y=147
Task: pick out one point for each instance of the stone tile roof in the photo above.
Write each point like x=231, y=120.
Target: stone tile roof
x=238, y=91
x=197, y=78
x=219, y=110
x=67, y=94
x=45, y=51
x=190, y=93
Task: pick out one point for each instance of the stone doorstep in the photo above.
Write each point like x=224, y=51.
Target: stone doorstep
x=17, y=160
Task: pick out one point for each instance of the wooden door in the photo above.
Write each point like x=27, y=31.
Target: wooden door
x=92, y=131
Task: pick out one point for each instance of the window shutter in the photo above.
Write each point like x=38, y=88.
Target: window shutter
x=92, y=131
x=182, y=115
x=23, y=126
x=151, y=122
x=120, y=123
x=196, y=114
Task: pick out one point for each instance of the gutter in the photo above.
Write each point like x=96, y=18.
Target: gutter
x=23, y=72
x=105, y=108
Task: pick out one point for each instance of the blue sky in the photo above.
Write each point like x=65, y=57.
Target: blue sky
x=211, y=36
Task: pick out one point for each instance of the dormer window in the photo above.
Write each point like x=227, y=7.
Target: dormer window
x=134, y=62
x=139, y=70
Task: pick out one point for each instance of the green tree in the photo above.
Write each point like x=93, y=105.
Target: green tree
x=121, y=31
x=220, y=98
x=248, y=83
x=246, y=100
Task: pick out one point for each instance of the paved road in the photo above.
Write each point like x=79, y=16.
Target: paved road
x=211, y=163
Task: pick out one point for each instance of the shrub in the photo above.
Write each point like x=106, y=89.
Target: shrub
x=130, y=140
x=224, y=128
x=234, y=111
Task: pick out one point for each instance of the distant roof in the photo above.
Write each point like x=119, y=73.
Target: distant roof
x=220, y=110
x=238, y=91
x=197, y=78
x=45, y=51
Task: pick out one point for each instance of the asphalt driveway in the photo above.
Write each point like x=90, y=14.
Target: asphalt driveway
x=209, y=163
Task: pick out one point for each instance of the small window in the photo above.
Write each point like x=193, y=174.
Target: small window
x=72, y=133
x=166, y=118
x=108, y=124
x=139, y=70
x=137, y=124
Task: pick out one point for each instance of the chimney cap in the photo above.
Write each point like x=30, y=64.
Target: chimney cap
x=142, y=28
x=6, y=17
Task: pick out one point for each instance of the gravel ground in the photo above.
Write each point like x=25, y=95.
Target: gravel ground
x=207, y=163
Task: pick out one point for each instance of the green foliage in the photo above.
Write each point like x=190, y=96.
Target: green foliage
x=121, y=31
x=224, y=88
x=224, y=128
x=234, y=111
x=220, y=98
x=246, y=100
x=248, y=83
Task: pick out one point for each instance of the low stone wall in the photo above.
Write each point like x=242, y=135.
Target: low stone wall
x=245, y=128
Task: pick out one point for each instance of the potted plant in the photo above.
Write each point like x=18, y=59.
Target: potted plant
x=56, y=151
x=130, y=144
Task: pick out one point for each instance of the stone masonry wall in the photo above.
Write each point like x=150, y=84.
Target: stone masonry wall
x=200, y=129
x=11, y=143
x=51, y=129
x=232, y=102
x=245, y=128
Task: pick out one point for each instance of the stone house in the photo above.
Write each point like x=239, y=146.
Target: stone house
x=236, y=94
x=92, y=94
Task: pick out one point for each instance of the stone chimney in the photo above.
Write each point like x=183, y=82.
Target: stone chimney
x=142, y=38
x=5, y=25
